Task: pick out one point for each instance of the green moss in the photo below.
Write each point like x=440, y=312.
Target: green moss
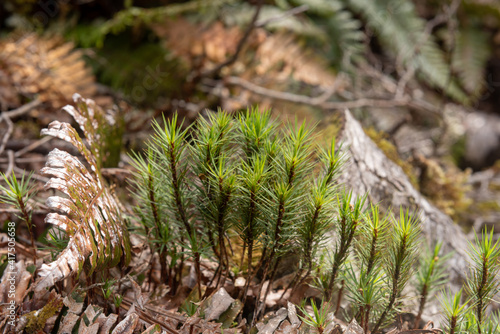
x=112, y=143
x=381, y=139
x=329, y=128
x=457, y=151
x=137, y=66
x=445, y=187
x=494, y=186
x=488, y=206
x=38, y=319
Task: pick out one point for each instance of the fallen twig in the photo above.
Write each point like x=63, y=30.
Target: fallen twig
x=32, y=146
x=10, y=155
x=10, y=129
x=22, y=109
x=34, y=176
x=320, y=100
x=7, y=115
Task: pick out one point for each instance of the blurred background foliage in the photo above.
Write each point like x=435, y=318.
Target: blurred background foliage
x=423, y=76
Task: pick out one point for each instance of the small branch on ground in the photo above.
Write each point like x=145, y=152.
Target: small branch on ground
x=32, y=146
x=22, y=109
x=10, y=129
x=316, y=101
x=10, y=155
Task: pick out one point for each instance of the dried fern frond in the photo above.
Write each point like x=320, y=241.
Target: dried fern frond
x=277, y=57
x=285, y=57
x=45, y=66
x=89, y=214
x=188, y=40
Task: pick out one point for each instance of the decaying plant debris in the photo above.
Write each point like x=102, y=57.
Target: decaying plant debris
x=89, y=215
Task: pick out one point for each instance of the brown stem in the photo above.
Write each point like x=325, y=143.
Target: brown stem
x=271, y=279
x=480, y=302
x=367, y=318
x=156, y=218
x=180, y=267
x=250, y=274
x=453, y=324
x=27, y=218
x=373, y=249
x=394, y=292
x=340, y=256
x=257, y=300
x=423, y=299
x=177, y=194
x=339, y=297
x=242, y=260
x=181, y=211
x=361, y=320
x=197, y=264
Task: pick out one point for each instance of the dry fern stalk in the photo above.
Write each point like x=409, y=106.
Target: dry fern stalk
x=90, y=214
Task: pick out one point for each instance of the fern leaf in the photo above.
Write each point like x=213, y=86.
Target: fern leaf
x=399, y=29
x=469, y=58
x=345, y=38
x=89, y=214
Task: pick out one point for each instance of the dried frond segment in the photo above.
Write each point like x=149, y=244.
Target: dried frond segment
x=282, y=55
x=90, y=214
x=94, y=122
x=45, y=66
x=278, y=57
x=189, y=41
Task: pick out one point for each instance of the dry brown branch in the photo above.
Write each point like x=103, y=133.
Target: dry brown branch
x=34, y=175
x=32, y=146
x=16, y=211
x=10, y=129
x=127, y=304
x=10, y=154
x=378, y=103
x=7, y=115
x=321, y=103
x=24, y=160
x=22, y=109
x=284, y=96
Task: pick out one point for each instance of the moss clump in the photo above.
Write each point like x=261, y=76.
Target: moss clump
x=488, y=206
x=445, y=187
x=382, y=140
x=38, y=319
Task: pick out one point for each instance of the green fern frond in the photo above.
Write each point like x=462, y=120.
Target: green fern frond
x=469, y=58
x=343, y=31
x=402, y=33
